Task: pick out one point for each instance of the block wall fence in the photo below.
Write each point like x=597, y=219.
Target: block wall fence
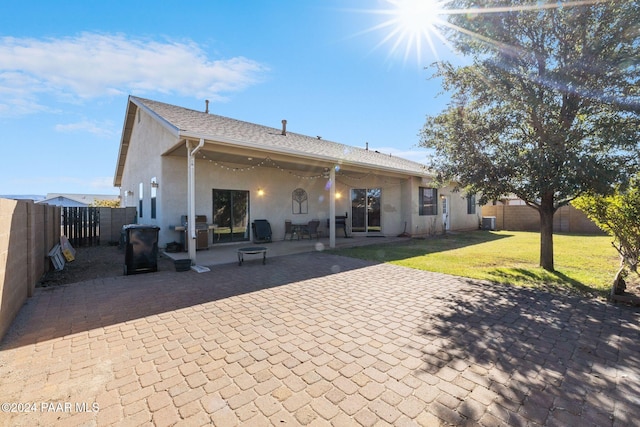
x=524, y=218
x=28, y=232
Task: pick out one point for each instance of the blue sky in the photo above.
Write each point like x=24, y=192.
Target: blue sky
x=68, y=66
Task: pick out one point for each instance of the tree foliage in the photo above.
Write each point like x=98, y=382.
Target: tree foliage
x=618, y=214
x=105, y=203
x=549, y=107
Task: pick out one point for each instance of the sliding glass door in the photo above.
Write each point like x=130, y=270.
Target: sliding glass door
x=230, y=215
x=365, y=210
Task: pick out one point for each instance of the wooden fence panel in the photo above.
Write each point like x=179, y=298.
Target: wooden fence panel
x=81, y=225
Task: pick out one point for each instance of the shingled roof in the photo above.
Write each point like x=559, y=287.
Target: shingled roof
x=213, y=127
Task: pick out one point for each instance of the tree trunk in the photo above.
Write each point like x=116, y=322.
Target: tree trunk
x=618, y=282
x=546, y=212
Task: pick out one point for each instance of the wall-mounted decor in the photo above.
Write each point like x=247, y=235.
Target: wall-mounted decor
x=299, y=201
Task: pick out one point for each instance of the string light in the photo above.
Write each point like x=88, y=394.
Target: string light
x=267, y=161
x=263, y=163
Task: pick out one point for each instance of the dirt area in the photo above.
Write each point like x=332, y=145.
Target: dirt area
x=93, y=263
x=108, y=261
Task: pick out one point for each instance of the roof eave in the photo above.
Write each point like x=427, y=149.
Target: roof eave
x=259, y=147
x=133, y=104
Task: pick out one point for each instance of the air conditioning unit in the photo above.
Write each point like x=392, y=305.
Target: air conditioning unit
x=488, y=222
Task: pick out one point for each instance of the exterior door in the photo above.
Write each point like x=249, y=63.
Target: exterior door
x=230, y=215
x=446, y=217
x=366, y=210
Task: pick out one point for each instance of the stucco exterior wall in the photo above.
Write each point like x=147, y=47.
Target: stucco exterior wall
x=460, y=219
x=275, y=204
x=149, y=140
x=399, y=198
x=425, y=225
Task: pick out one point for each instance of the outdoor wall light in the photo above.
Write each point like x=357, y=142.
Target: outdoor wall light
x=128, y=193
x=154, y=184
x=338, y=195
x=260, y=192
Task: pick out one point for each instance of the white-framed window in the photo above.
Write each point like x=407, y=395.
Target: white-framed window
x=154, y=194
x=140, y=199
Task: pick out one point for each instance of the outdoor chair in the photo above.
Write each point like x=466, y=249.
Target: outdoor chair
x=288, y=229
x=261, y=231
x=311, y=229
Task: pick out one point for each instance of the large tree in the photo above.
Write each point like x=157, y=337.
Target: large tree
x=548, y=108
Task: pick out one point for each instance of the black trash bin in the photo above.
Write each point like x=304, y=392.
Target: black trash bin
x=141, y=248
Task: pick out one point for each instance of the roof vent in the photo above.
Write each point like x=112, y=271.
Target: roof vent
x=284, y=127
x=206, y=108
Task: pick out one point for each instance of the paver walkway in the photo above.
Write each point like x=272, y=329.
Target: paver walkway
x=317, y=339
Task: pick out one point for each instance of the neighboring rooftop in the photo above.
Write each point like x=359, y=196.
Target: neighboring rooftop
x=86, y=199
x=22, y=197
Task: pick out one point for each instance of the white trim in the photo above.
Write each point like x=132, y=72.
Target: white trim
x=191, y=196
x=332, y=208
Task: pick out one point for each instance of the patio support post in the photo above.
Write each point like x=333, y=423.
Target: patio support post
x=332, y=208
x=191, y=196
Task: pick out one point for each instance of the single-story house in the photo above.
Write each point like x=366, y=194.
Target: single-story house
x=176, y=164
x=76, y=200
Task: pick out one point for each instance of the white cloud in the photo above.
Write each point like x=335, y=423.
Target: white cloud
x=92, y=127
x=92, y=65
x=103, y=185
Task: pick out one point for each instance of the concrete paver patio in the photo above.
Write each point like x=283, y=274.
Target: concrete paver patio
x=317, y=339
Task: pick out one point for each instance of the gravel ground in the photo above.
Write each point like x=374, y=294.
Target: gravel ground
x=95, y=262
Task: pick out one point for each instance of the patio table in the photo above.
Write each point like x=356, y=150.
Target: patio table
x=298, y=229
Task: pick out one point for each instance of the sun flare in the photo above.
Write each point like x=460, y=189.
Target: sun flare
x=408, y=26
x=411, y=24
x=416, y=15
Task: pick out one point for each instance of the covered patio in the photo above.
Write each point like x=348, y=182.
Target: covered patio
x=283, y=186
x=228, y=253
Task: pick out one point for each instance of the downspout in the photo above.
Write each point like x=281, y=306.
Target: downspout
x=191, y=196
x=332, y=208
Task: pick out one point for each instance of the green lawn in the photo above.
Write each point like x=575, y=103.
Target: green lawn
x=584, y=264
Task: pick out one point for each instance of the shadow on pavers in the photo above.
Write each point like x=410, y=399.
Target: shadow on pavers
x=69, y=309
x=549, y=358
